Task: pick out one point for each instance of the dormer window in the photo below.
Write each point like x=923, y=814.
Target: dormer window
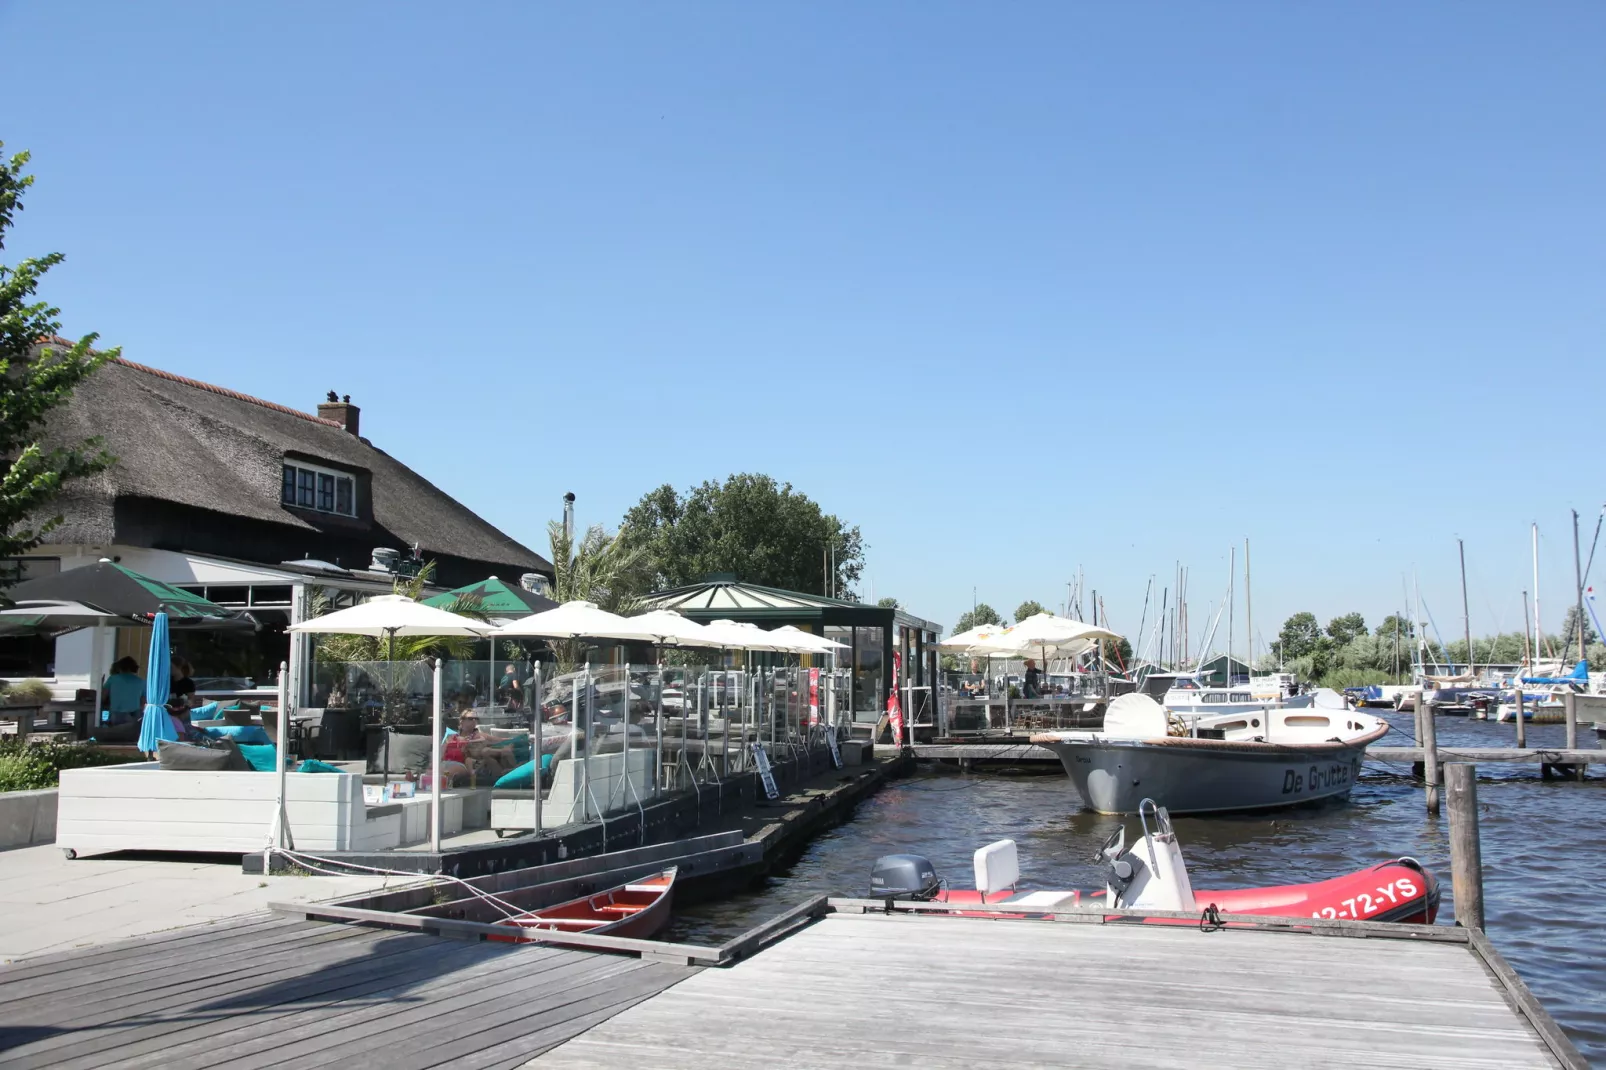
x=323, y=489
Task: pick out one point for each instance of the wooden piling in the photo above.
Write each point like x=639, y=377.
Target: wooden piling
x=1417, y=768
x=1466, y=854
x=1430, y=754
x=1569, y=704
x=1522, y=724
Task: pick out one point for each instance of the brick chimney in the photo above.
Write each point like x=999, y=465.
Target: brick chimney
x=341, y=411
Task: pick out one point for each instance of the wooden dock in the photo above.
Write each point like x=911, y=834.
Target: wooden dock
x=870, y=990
x=833, y=983
x=269, y=991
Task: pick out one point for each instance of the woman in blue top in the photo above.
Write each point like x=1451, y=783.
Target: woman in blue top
x=123, y=697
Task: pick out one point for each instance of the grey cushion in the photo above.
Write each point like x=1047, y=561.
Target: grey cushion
x=408, y=754
x=187, y=757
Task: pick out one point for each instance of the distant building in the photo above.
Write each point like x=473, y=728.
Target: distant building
x=249, y=503
x=1215, y=672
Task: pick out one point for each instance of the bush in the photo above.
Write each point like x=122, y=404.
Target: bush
x=28, y=693
x=28, y=766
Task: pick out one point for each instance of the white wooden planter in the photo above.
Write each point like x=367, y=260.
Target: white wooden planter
x=144, y=807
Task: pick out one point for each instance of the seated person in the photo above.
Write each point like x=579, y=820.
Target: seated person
x=123, y=696
x=489, y=761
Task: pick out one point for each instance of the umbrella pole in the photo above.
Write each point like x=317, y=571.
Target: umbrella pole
x=539, y=749
x=281, y=817
x=574, y=730
x=658, y=765
x=435, y=776
x=585, y=765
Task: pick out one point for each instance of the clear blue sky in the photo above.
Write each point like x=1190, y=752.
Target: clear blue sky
x=1013, y=288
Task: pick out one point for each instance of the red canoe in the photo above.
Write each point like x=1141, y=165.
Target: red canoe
x=637, y=909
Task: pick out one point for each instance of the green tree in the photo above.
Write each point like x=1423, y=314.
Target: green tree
x=1301, y=636
x=1028, y=609
x=33, y=381
x=1569, y=632
x=765, y=532
x=601, y=568
x=1342, y=629
x=889, y=603
x=1393, y=625
x=982, y=614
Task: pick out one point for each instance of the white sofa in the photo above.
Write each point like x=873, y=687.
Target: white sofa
x=561, y=805
x=142, y=807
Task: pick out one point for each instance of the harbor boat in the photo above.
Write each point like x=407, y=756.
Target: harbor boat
x=1252, y=760
x=1151, y=875
x=639, y=909
x=1188, y=693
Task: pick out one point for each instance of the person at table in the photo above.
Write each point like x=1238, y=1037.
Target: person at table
x=508, y=689
x=123, y=696
x=489, y=760
x=1031, y=689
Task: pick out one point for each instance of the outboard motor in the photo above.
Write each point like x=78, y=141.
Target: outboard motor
x=903, y=877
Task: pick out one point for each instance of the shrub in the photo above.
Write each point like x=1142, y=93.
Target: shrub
x=28, y=693
x=28, y=766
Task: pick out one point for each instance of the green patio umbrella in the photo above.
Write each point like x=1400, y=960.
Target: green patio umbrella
x=122, y=592
x=496, y=599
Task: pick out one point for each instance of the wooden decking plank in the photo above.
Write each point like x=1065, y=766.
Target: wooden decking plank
x=1231, y=999
x=218, y=977
x=381, y=1025
x=271, y=1031
x=191, y=1040
x=107, y=977
x=518, y=1052
x=42, y=965
x=134, y=1020
x=448, y=1031
x=602, y=1002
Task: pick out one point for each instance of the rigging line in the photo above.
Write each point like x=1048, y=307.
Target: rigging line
x=1594, y=543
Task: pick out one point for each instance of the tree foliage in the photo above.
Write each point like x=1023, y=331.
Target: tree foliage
x=601, y=568
x=889, y=603
x=764, y=532
x=1395, y=625
x=1343, y=629
x=32, y=385
x=982, y=614
x=1030, y=608
x=1301, y=636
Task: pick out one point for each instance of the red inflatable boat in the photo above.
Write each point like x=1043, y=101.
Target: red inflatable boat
x=1151, y=875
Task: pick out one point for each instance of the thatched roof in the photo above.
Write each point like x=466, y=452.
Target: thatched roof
x=207, y=448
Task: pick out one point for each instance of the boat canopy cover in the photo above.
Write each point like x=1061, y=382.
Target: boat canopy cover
x=1579, y=675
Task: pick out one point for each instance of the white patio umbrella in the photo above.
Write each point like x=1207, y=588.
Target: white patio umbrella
x=576, y=620
x=388, y=616
x=1046, y=632
x=669, y=628
x=806, y=642
x=964, y=641
x=731, y=635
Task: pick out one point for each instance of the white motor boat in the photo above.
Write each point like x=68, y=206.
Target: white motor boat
x=1252, y=759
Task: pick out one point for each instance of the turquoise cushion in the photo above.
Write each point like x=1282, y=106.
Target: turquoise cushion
x=522, y=777
x=240, y=733
x=313, y=765
x=264, y=758
x=546, y=762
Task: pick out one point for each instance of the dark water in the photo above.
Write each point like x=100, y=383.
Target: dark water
x=1544, y=854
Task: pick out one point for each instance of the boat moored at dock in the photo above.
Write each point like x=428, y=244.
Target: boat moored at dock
x=1254, y=760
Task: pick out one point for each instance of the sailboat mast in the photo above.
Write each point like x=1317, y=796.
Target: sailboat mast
x=1466, y=614
x=1232, y=603
x=1539, y=644
x=1249, y=614
x=1527, y=654
x=1578, y=579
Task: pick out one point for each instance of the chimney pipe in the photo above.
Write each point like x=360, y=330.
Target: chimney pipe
x=341, y=411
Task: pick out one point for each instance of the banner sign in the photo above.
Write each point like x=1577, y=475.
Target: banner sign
x=765, y=773
x=814, y=697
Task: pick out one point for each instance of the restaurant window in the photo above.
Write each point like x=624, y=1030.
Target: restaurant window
x=869, y=688
x=316, y=488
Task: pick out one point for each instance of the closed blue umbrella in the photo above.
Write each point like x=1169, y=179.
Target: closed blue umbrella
x=157, y=725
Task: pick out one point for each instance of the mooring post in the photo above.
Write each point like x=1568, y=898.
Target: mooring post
x=1430, y=757
x=1466, y=854
x=1417, y=768
x=1522, y=726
